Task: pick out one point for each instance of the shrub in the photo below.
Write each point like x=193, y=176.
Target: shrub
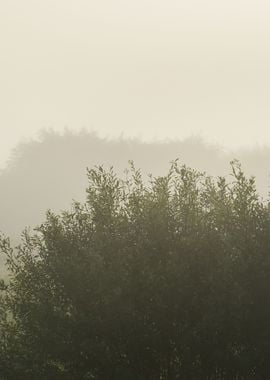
x=163, y=280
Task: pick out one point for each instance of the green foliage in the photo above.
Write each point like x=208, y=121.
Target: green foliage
x=162, y=280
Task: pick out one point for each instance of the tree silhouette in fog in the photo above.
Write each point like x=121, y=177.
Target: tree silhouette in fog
x=49, y=173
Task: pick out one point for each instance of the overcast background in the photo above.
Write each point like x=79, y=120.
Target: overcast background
x=152, y=69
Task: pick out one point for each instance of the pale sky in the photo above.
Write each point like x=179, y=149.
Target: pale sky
x=144, y=68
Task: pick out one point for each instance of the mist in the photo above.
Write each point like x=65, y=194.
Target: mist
x=147, y=69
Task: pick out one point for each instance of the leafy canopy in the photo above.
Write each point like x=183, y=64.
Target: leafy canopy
x=167, y=279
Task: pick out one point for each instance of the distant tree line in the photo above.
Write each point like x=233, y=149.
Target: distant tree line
x=50, y=172
x=159, y=280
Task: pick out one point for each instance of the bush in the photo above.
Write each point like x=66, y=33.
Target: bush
x=162, y=280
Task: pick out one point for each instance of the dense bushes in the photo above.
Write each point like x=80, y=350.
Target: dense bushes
x=165, y=280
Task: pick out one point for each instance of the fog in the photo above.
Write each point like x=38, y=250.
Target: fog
x=147, y=69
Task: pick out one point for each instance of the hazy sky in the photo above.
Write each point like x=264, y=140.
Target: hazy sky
x=148, y=68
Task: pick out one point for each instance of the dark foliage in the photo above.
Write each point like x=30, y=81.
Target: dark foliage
x=164, y=280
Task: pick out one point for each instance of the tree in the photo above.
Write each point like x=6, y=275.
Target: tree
x=161, y=280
